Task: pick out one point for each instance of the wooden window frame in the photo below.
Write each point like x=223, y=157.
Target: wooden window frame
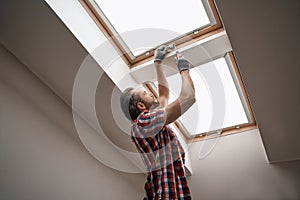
x=179, y=42
x=225, y=131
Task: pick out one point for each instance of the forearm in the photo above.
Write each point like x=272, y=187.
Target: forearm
x=163, y=87
x=185, y=100
x=187, y=93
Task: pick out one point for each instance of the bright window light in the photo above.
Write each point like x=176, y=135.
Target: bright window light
x=178, y=16
x=218, y=104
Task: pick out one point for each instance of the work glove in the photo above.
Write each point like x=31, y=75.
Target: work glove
x=182, y=63
x=160, y=53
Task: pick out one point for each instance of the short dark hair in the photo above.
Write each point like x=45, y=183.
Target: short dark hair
x=128, y=101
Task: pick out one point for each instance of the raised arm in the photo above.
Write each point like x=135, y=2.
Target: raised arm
x=187, y=93
x=163, y=87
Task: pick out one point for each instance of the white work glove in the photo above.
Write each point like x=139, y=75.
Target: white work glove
x=182, y=63
x=160, y=53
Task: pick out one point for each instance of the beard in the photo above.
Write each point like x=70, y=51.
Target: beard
x=151, y=105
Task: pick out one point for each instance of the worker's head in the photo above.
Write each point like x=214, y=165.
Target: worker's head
x=134, y=101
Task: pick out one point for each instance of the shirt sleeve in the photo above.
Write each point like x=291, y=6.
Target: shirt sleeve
x=151, y=122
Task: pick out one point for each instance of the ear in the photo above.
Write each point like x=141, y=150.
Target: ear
x=141, y=106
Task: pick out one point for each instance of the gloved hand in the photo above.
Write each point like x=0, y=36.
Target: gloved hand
x=160, y=53
x=182, y=63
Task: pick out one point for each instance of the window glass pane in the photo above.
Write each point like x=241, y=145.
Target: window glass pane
x=174, y=15
x=218, y=104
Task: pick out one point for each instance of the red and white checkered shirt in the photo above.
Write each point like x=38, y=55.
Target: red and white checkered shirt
x=162, y=154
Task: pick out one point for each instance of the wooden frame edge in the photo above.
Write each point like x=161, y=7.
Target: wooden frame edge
x=224, y=133
x=105, y=30
x=239, y=77
x=180, y=46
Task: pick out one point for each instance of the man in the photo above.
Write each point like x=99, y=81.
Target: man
x=157, y=143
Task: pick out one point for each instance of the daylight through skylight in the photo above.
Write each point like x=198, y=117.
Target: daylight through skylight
x=176, y=16
x=218, y=103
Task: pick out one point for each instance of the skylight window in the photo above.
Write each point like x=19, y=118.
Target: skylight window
x=173, y=15
x=136, y=27
x=220, y=103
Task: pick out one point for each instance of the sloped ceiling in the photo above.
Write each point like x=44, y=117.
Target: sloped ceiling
x=264, y=36
x=265, y=39
x=35, y=35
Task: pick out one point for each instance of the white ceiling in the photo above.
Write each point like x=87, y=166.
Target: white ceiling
x=265, y=39
x=262, y=34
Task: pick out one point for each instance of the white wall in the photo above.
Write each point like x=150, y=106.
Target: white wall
x=40, y=155
x=237, y=169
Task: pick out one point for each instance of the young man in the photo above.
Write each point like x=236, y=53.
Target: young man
x=156, y=142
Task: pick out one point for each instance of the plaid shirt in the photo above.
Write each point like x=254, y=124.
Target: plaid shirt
x=162, y=154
